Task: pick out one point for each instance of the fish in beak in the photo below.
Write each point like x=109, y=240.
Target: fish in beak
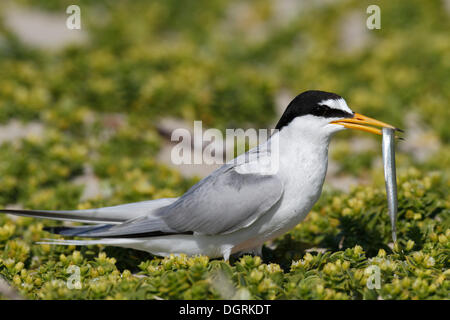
x=363, y=123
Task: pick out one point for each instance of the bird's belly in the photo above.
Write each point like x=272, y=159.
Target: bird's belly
x=288, y=215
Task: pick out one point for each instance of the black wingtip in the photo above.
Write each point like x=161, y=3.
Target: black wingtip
x=56, y=229
x=76, y=230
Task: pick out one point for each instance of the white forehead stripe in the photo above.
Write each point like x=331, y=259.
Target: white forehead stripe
x=339, y=104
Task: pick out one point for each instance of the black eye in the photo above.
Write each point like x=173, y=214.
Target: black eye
x=325, y=111
x=312, y=102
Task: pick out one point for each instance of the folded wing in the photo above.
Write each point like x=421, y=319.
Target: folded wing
x=221, y=203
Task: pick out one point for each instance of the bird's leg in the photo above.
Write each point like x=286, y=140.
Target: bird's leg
x=256, y=251
x=226, y=252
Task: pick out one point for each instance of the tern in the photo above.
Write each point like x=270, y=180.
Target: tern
x=240, y=205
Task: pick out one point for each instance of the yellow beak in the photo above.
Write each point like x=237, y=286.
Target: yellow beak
x=363, y=123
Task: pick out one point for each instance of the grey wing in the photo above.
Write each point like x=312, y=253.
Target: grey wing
x=221, y=203
x=225, y=203
x=110, y=215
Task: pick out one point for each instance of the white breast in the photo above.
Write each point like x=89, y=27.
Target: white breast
x=302, y=169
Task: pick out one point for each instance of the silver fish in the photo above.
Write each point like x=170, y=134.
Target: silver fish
x=390, y=177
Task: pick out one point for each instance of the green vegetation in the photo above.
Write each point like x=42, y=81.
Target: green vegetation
x=225, y=62
x=353, y=229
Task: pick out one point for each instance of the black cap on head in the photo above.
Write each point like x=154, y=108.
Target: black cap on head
x=307, y=103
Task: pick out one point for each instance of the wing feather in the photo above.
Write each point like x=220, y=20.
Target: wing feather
x=223, y=202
